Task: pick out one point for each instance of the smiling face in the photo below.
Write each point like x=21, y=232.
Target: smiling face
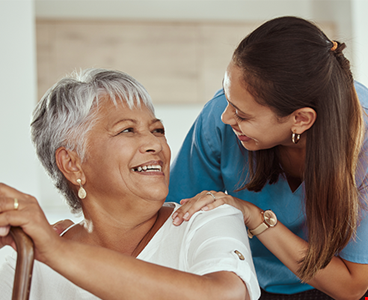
x=127, y=156
x=256, y=125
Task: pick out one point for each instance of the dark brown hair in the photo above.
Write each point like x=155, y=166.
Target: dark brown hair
x=288, y=64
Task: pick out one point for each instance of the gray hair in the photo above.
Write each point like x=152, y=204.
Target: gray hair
x=66, y=113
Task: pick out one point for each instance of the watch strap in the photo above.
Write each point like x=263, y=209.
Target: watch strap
x=269, y=220
x=258, y=230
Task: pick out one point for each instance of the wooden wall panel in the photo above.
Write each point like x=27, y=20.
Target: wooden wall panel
x=178, y=62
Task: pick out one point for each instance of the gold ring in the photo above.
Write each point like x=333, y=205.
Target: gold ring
x=209, y=193
x=16, y=204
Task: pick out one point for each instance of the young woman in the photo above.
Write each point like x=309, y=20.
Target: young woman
x=292, y=156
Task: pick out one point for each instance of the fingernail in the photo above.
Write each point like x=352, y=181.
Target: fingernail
x=186, y=216
x=204, y=208
x=4, y=230
x=174, y=215
x=176, y=221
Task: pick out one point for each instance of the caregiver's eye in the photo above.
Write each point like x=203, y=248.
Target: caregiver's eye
x=240, y=119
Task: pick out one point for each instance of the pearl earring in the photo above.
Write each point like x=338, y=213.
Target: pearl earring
x=81, y=192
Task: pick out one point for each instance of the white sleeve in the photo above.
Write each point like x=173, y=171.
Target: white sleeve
x=7, y=272
x=217, y=241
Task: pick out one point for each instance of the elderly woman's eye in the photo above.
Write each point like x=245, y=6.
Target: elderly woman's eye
x=127, y=130
x=159, y=131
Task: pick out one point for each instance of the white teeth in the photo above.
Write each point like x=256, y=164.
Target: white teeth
x=152, y=168
x=238, y=133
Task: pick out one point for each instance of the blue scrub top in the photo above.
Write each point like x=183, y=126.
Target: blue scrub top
x=211, y=158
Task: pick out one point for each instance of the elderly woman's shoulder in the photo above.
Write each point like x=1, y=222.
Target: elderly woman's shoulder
x=223, y=212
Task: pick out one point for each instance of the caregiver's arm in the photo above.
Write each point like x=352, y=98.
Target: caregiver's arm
x=341, y=279
x=109, y=274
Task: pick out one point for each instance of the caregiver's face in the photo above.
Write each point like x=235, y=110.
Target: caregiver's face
x=256, y=125
x=127, y=155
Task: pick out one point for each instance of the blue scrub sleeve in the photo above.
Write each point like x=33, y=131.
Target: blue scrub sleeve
x=197, y=166
x=356, y=250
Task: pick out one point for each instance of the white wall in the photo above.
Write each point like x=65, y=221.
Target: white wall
x=18, y=166
x=18, y=94
x=217, y=10
x=345, y=13
x=360, y=40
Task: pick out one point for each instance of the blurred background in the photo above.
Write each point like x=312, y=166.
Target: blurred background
x=178, y=49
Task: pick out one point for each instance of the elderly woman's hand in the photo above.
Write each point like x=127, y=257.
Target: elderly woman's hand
x=5, y=239
x=19, y=209
x=208, y=200
x=62, y=225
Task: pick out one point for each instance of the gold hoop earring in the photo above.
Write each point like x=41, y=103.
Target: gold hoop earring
x=295, y=138
x=81, y=192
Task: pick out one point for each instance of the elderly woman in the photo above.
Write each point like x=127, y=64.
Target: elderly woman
x=99, y=140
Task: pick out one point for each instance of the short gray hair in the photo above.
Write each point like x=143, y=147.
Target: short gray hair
x=66, y=113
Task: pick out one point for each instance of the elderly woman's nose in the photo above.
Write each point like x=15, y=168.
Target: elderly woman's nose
x=151, y=143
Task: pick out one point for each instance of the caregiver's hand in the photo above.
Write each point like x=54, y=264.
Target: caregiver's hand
x=26, y=213
x=208, y=200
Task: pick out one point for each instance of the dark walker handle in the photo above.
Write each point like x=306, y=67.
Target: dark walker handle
x=24, y=268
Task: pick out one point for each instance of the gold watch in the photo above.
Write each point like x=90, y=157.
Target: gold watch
x=269, y=220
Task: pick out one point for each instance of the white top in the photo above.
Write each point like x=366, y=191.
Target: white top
x=211, y=241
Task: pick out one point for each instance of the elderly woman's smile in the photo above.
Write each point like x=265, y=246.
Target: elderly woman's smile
x=123, y=145
x=149, y=167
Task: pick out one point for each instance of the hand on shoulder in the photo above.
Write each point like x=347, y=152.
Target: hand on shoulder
x=208, y=200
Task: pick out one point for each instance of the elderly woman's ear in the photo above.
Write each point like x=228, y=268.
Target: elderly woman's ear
x=69, y=164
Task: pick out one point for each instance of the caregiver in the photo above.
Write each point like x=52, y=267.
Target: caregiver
x=296, y=166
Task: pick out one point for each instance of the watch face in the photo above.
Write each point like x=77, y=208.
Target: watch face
x=270, y=218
